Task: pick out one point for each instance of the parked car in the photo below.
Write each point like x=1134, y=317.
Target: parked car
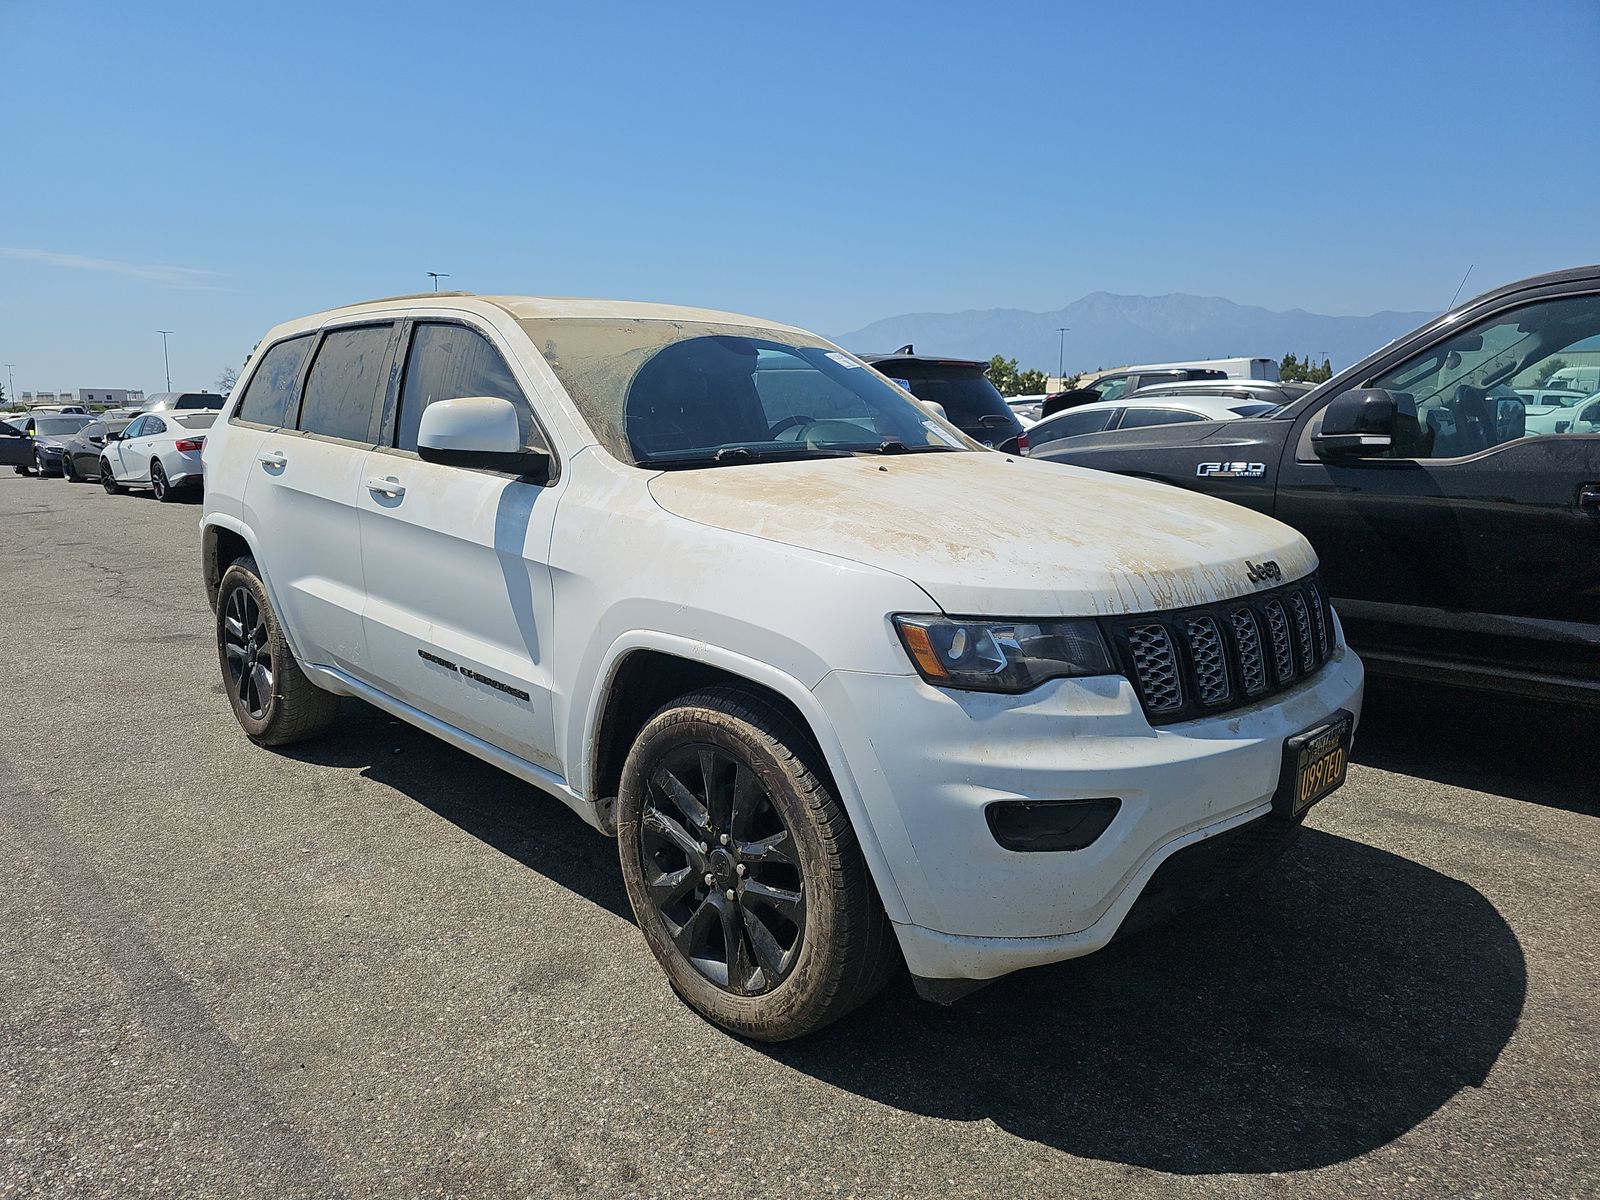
x=167, y=401
x=1460, y=539
x=1113, y=385
x=38, y=450
x=1269, y=391
x=962, y=389
x=42, y=409
x=124, y=412
x=1138, y=412
x=695, y=574
x=16, y=447
x=81, y=453
x=159, y=451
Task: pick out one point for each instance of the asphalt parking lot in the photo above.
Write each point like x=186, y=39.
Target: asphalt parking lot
x=376, y=967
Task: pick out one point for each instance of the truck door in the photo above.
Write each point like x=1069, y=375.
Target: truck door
x=1473, y=535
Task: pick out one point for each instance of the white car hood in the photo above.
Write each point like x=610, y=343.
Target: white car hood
x=988, y=534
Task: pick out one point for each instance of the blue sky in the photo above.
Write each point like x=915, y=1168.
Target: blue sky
x=215, y=168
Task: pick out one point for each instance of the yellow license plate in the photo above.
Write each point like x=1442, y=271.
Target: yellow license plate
x=1314, y=764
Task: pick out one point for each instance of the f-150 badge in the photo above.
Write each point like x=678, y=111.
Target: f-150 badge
x=1231, y=470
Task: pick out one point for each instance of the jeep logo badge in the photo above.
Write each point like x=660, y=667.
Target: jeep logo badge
x=1261, y=572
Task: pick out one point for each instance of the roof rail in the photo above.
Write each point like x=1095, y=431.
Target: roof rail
x=402, y=296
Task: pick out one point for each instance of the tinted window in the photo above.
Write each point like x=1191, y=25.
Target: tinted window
x=1111, y=389
x=94, y=429
x=1138, y=418
x=199, y=400
x=448, y=361
x=152, y=425
x=1072, y=424
x=973, y=404
x=59, y=426
x=270, y=398
x=346, y=382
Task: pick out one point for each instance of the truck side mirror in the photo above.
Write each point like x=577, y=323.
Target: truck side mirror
x=1356, y=424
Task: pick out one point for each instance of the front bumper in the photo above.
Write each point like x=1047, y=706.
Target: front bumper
x=927, y=762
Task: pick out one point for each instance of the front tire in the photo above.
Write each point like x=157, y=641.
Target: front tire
x=272, y=698
x=744, y=871
x=68, y=471
x=108, y=480
x=40, y=468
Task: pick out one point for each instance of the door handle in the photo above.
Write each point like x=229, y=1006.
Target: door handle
x=275, y=459
x=1589, y=498
x=389, y=486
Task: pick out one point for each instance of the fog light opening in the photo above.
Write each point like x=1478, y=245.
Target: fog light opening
x=1037, y=826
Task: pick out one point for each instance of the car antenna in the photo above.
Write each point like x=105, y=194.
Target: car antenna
x=906, y=349
x=1459, y=286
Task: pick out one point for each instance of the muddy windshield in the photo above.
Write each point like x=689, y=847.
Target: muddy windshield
x=680, y=394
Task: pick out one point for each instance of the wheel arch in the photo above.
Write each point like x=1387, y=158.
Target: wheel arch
x=221, y=545
x=644, y=672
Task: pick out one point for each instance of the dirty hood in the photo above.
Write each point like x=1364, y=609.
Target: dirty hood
x=989, y=534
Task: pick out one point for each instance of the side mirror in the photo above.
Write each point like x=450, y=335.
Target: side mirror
x=935, y=408
x=1356, y=424
x=1065, y=400
x=115, y=436
x=477, y=431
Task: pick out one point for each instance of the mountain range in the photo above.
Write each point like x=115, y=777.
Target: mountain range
x=1107, y=330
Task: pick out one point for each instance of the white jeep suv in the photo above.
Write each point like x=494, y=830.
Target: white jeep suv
x=749, y=607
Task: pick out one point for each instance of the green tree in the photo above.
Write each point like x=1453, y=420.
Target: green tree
x=1002, y=372
x=1547, y=370
x=1030, y=383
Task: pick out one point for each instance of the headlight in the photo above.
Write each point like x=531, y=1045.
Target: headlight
x=1002, y=656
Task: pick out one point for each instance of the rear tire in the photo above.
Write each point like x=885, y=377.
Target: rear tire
x=107, y=479
x=159, y=484
x=272, y=698
x=804, y=940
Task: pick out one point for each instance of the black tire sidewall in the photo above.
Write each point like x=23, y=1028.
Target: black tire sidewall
x=789, y=1008
x=242, y=573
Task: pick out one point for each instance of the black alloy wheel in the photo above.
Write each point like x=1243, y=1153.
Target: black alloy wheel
x=67, y=470
x=722, y=870
x=248, y=653
x=39, y=468
x=107, y=479
x=158, y=482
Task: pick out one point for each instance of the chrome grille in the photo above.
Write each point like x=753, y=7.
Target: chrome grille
x=1208, y=659
x=1282, y=652
x=1252, y=664
x=1156, y=667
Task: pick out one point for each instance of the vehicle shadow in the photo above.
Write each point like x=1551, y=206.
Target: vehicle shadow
x=515, y=818
x=1311, y=1019
x=1530, y=750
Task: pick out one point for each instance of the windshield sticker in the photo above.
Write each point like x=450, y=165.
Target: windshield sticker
x=844, y=360
x=943, y=434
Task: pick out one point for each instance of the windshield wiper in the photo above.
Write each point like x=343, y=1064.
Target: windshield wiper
x=896, y=446
x=733, y=455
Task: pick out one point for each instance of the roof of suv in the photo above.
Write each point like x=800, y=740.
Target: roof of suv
x=1282, y=390
x=907, y=354
x=548, y=307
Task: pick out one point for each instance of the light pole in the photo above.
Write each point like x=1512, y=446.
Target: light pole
x=164, y=361
x=438, y=275
x=1061, y=356
x=11, y=387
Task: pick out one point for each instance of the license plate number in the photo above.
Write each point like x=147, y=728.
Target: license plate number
x=1314, y=764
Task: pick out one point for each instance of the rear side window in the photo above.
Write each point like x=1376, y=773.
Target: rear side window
x=1074, y=424
x=347, y=380
x=450, y=361
x=152, y=425
x=270, y=398
x=1138, y=418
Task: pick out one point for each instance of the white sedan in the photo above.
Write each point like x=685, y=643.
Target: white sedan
x=159, y=451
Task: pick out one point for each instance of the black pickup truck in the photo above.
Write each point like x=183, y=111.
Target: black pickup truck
x=1455, y=512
